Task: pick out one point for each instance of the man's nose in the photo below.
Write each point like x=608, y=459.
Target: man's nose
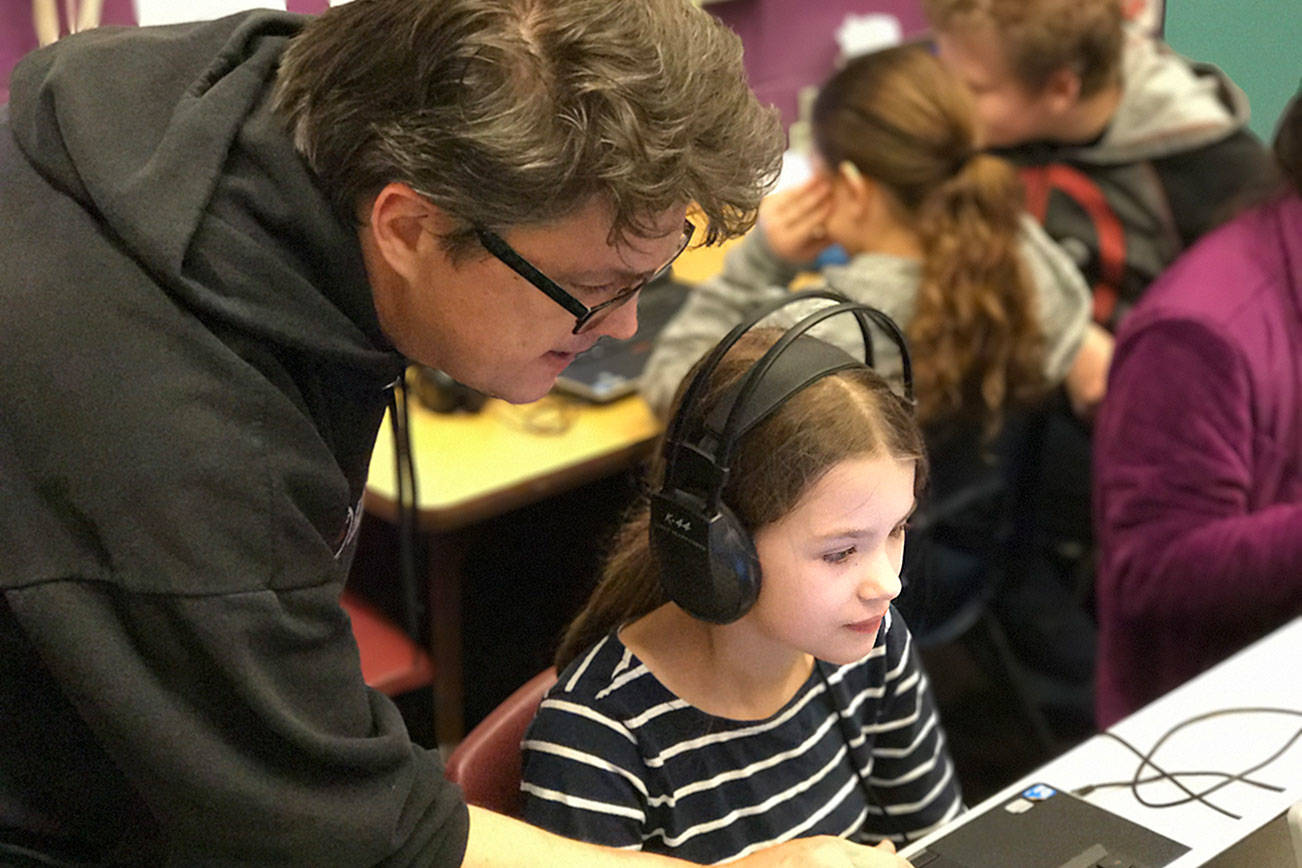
x=620, y=323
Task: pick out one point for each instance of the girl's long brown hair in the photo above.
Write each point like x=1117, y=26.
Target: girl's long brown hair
x=851, y=413
x=907, y=124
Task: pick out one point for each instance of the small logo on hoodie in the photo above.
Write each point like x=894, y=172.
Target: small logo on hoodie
x=348, y=534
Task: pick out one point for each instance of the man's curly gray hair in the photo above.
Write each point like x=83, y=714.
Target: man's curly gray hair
x=509, y=112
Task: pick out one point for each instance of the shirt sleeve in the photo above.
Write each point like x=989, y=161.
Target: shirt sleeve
x=751, y=276
x=580, y=777
x=1061, y=296
x=1174, y=455
x=912, y=771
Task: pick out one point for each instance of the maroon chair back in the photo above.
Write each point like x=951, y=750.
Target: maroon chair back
x=487, y=762
x=392, y=662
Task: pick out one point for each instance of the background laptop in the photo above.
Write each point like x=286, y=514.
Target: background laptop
x=612, y=369
x=1044, y=827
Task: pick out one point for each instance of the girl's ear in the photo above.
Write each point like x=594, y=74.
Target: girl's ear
x=859, y=191
x=850, y=172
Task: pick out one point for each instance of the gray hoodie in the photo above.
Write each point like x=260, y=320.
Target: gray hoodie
x=1169, y=105
x=1175, y=160
x=753, y=275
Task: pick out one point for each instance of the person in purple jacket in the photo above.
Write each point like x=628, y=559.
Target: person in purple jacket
x=1198, y=454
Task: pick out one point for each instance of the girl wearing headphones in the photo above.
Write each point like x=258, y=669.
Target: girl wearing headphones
x=800, y=710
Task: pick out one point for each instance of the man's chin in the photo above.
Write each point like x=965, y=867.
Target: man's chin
x=523, y=385
x=518, y=392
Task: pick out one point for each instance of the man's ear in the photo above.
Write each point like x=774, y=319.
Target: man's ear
x=403, y=224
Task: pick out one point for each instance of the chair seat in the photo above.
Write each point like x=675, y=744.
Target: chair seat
x=487, y=763
x=392, y=662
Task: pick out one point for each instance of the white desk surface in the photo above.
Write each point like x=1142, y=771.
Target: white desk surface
x=1267, y=674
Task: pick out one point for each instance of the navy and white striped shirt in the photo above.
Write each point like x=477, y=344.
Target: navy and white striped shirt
x=615, y=758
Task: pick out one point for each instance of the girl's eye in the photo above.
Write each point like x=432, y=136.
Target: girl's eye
x=839, y=557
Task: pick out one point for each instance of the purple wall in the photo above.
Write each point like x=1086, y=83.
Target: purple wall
x=17, y=37
x=789, y=43
x=792, y=43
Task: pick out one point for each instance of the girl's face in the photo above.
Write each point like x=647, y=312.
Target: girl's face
x=831, y=566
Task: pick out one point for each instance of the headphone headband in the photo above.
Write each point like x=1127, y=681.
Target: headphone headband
x=674, y=433
x=743, y=415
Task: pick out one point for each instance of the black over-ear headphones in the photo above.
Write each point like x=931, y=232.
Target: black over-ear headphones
x=707, y=559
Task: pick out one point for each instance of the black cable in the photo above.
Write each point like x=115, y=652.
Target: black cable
x=1152, y=779
x=1270, y=759
x=842, y=721
x=1162, y=774
x=1146, y=761
x=405, y=473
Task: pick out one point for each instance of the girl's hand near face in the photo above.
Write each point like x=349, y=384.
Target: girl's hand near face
x=794, y=221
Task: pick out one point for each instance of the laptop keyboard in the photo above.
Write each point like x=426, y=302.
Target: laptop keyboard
x=1094, y=857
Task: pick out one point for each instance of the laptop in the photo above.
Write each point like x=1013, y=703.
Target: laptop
x=1044, y=827
x=613, y=369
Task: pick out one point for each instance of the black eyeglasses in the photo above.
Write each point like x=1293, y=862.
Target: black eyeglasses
x=584, y=316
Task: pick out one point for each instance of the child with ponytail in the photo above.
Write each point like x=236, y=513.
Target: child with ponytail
x=995, y=313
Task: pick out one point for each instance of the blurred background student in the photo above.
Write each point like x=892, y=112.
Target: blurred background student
x=1198, y=454
x=1129, y=153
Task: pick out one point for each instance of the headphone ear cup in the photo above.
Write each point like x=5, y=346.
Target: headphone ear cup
x=734, y=569
x=708, y=564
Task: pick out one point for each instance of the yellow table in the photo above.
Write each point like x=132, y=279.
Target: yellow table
x=475, y=466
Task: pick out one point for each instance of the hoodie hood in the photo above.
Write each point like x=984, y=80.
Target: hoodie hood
x=1168, y=105
x=1062, y=297
x=167, y=136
